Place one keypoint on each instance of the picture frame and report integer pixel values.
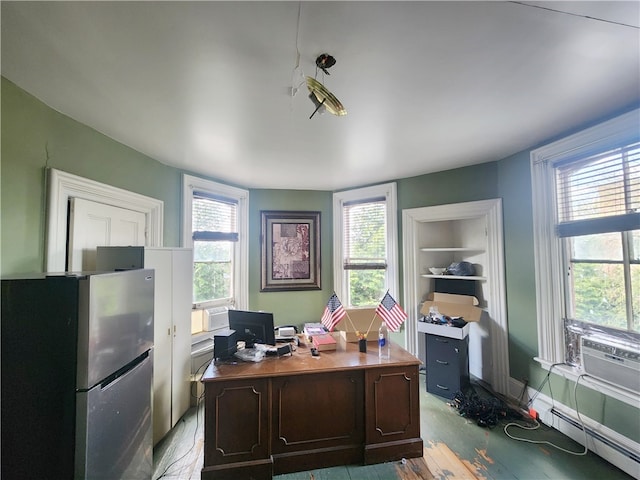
(290, 250)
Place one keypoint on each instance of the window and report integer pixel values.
(598, 211)
(215, 235)
(586, 209)
(215, 226)
(365, 248)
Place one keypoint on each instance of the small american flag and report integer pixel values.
(391, 312)
(333, 312)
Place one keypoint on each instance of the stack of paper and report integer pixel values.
(313, 329)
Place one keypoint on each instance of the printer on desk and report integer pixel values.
(286, 334)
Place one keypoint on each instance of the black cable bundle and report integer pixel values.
(487, 412)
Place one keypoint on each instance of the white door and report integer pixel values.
(93, 224)
(160, 260)
(182, 274)
(172, 336)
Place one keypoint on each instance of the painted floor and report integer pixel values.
(488, 453)
(455, 448)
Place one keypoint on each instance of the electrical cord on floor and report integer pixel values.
(546, 379)
(487, 412)
(195, 434)
(197, 377)
(524, 390)
(536, 424)
(199, 402)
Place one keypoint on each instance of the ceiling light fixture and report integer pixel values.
(321, 97)
(325, 61)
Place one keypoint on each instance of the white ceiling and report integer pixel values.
(428, 86)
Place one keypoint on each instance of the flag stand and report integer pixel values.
(350, 321)
(371, 324)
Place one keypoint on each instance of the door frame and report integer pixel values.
(63, 185)
(494, 271)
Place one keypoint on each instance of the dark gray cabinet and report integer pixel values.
(447, 364)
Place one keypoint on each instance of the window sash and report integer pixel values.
(215, 236)
(599, 194)
(220, 215)
(361, 242)
(603, 265)
(596, 195)
(231, 198)
(215, 217)
(348, 278)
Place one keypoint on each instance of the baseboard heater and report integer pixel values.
(615, 448)
(596, 436)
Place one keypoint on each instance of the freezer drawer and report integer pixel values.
(114, 429)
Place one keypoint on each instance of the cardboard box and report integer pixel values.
(444, 330)
(464, 306)
(452, 305)
(360, 322)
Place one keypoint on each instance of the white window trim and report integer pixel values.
(63, 185)
(388, 191)
(548, 248)
(241, 260)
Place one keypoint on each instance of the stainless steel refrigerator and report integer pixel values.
(77, 368)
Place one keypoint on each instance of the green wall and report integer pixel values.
(515, 189)
(291, 308)
(35, 137)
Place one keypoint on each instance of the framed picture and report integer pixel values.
(290, 255)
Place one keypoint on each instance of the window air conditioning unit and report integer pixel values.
(218, 317)
(613, 362)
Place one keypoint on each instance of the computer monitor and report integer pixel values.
(252, 327)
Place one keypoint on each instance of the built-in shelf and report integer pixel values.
(454, 277)
(439, 235)
(463, 250)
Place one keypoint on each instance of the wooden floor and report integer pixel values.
(180, 455)
(455, 448)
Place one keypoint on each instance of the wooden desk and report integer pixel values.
(295, 413)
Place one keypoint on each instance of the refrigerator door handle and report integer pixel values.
(124, 370)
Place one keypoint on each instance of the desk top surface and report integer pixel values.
(345, 357)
